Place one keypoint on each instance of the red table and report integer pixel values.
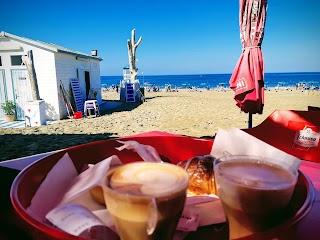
(166, 144)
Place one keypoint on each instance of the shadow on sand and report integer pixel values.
(20, 145)
(109, 106)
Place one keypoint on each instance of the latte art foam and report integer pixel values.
(147, 179)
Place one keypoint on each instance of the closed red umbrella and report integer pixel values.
(247, 80)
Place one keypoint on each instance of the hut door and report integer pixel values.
(87, 81)
(82, 83)
(22, 91)
(3, 91)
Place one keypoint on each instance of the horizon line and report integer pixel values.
(204, 74)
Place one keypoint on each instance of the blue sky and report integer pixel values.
(179, 36)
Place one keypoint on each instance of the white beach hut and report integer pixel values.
(55, 66)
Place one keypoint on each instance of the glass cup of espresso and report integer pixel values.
(146, 199)
(254, 192)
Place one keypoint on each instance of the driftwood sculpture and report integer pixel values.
(28, 61)
(132, 47)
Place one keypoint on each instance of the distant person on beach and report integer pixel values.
(221, 88)
(117, 88)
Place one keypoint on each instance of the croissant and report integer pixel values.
(200, 169)
(97, 194)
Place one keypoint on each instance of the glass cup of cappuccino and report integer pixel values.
(254, 192)
(146, 199)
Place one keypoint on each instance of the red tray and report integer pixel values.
(175, 148)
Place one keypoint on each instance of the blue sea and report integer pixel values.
(214, 80)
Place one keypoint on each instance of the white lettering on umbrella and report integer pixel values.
(241, 84)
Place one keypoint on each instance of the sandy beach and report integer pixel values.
(192, 113)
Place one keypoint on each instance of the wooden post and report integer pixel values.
(132, 47)
(28, 61)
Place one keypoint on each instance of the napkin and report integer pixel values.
(238, 142)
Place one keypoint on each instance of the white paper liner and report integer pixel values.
(52, 188)
(146, 152)
(238, 142)
(88, 179)
(71, 187)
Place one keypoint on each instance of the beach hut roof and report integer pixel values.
(48, 46)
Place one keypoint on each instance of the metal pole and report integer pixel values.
(250, 120)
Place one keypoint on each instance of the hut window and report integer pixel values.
(16, 60)
(0, 62)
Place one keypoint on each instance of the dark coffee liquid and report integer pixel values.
(254, 194)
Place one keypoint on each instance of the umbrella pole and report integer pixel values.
(250, 120)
